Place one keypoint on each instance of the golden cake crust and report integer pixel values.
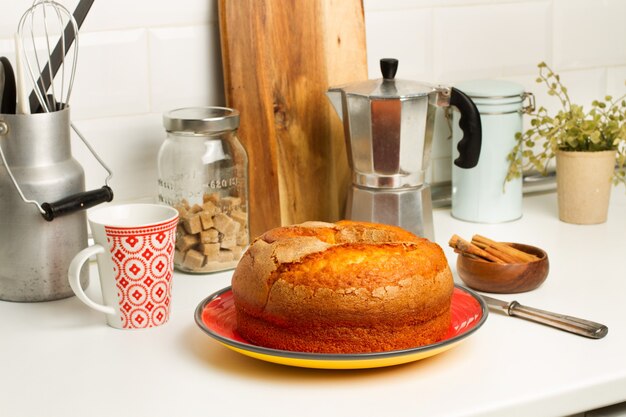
(345, 287)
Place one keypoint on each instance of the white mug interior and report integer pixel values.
(131, 215)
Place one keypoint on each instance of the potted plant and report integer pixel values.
(589, 147)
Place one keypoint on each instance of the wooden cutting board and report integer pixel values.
(279, 58)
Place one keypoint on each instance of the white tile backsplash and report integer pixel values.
(111, 75)
(616, 81)
(490, 41)
(123, 14)
(589, 33)
(375, 5)
(111, 15)
(408, 38)
(441, 171)
(140, 58)
(185, 67)
(583, 85)
(129, 146)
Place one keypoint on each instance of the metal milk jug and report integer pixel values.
(388, 125)
(42, 221)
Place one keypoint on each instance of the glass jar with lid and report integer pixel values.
(203, 173)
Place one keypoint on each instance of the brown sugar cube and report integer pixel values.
(221, 222)
(225, 224)
(228, 242)
(196, 208)
(192, 224)
(185, 203)
(213, 198)
(230, 203)
(210, 250)
(182, 210)
(210, 208)
(210, 236)
(242, 238)
(240, 217)
(212, 258)
(237, 250)
(186, 242)
(225, 256)
(193, 259)
(206, 219)
(232, 234)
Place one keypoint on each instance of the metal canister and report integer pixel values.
(35, 253)
(480, 194)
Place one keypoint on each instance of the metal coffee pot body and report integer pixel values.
(35, 253)
(388, 126)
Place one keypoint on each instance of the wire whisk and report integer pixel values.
(46, 24)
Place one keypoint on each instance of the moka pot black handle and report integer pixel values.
(469, 122)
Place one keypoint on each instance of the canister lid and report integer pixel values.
(482, 91)
(201, 119)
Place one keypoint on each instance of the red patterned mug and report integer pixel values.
(134, 245)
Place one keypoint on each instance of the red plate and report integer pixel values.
(216, 316)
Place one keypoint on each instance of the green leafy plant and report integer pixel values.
(602, 128)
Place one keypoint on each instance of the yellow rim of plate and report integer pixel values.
(374, 362)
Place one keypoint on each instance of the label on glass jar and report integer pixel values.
(167, 192)
(223, 183)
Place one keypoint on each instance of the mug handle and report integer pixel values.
(74, 278)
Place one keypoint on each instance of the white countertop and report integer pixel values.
(60, 359)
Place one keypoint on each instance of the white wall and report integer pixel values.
(139, 58)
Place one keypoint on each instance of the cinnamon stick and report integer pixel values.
(521, 256)
(469, 255)
(466, 247)
(497, 253)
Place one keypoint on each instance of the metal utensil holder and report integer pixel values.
(37, 245)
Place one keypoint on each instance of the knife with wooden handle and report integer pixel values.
(568, 323)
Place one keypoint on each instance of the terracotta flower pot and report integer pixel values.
(584, 185)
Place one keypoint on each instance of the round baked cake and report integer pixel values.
(346, 287)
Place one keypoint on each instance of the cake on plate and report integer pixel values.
(345, 287)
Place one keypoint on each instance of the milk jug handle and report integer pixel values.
(469, 122)
(75, 202)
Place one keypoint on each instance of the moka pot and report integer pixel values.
(388, 126)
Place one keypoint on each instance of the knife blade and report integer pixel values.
(570, 324)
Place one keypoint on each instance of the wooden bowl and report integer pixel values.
(504, 278)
